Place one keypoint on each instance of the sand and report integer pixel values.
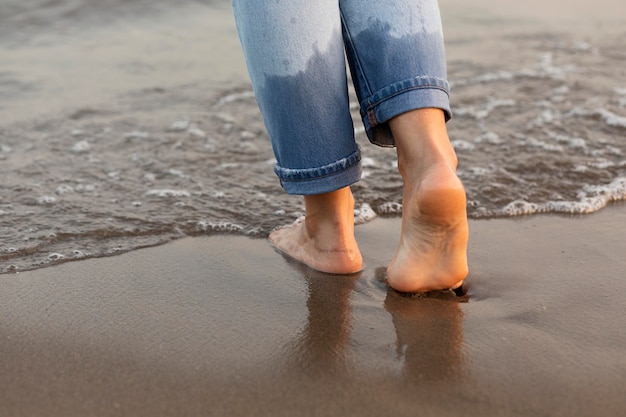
(225, 326)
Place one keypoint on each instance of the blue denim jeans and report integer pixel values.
(296, 53)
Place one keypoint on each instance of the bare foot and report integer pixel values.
(433, 242)
(432, 254)
(324, 240)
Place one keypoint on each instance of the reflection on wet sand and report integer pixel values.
(429, 331)
(320, 348)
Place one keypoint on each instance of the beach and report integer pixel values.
(225, 326)
(136, 278)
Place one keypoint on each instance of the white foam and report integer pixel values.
(247, 135)
(461, 145)
(519, 207)
(601, 163)
(612, 150)
(543, 69)
(591, 198)
(481, 113)
(614, 191)
(85, 188)
(229, 165)
(81, 147)
(569, 141)
(46, 199)
(176, 173)
(390, 208)
(168, 193)
(545, 65)
(64, 189)
(489, 137)
(364, 214)
(209, 226)
(494, 103)
(243, 95)
(609, 117)
(545, 117)
(56, 257)
(369, 162)
(543, 145)
(196, 132)
(489, 77)
(480, 171)
(179, 126)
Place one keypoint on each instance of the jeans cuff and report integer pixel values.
(323, 179)
(398, 98)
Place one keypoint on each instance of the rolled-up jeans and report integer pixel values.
(296, 54)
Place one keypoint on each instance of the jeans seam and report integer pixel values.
(357, 61)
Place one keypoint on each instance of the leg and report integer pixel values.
(432, 253)
(295, 55)
(325, 239)
(396, 54)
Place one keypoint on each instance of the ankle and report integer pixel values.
(415, 163)
(422, 141)
(336, 206)
(330, 216)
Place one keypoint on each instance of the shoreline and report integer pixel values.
(611, 205)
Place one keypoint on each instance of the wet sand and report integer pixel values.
(224, 326)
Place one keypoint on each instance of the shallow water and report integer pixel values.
(539, 127)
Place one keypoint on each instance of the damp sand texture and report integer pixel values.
(224, 326)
